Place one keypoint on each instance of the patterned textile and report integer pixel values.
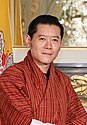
(26, 94)
(6, 53)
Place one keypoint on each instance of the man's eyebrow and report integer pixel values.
(56, 36)
(49, 35)
(42, 35)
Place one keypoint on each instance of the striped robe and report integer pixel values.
(26, 94)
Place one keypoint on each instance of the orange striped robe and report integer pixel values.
(26, 93)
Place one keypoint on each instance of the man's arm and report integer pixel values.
(76, 113)
(15, 105)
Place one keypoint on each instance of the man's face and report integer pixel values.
(45, 44)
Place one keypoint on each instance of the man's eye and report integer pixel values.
(55, 40)
(42, 39)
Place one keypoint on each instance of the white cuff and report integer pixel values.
(37, 122)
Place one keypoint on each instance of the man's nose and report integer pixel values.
(48, 44)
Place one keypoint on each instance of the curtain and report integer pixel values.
(18, 27)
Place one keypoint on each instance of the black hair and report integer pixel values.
(44, 19)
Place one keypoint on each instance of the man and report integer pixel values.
(33, 91)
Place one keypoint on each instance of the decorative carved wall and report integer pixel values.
(72, 14)
(78, 75)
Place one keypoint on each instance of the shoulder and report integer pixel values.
(61, 74)
(13, 73)
(13, 69)
(65, 80)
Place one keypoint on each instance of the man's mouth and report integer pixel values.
(47, 53)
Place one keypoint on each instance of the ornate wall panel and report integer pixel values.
(71, 13)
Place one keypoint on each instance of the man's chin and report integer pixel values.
(47, 62)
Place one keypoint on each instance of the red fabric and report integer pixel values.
(4, 59)
(25, 93)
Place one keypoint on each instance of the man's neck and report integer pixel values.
(44, 68)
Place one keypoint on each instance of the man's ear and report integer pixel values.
(28, 40)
